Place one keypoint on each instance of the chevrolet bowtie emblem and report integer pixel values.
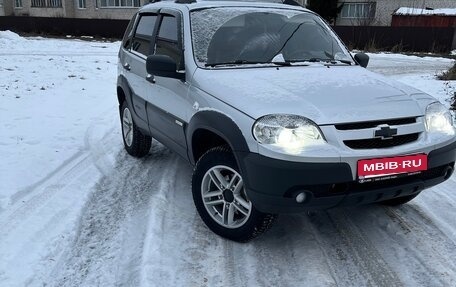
(385, 132)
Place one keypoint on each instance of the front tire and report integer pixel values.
(135, 142)
(221, 200)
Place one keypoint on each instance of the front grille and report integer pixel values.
(381, 143)
(373, 124)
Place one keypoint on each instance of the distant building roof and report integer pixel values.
(425, 11)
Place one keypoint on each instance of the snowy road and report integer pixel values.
(90, 215)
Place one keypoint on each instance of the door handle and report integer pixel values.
(127, 66)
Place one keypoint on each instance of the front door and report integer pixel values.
(168, 103)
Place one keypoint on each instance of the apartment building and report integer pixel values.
(93, 9)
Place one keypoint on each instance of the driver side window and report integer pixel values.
(167, 41)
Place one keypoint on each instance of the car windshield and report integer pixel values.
(240, 35)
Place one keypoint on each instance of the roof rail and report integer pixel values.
(287, 2)
(176, 1)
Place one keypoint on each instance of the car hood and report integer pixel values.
(324, 94)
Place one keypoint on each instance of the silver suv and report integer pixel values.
(274, 113)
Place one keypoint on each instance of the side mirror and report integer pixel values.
(163, 66)
(362, 59)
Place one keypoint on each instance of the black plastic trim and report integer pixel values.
(220, 125)
(164, 128)
(272, 184)
(442, 155)
(141, 123)
(271, 176)
(373, 124)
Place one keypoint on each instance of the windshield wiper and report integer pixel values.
(332, 59)
(348, 62)
(281, 63)
(236, 62)
(310, 60)
(317, 60)
(278, 63)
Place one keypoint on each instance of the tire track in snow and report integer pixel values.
(397, 242)
(179, 248)
(413, 246)
(430, 244)
(197, 266)
(151, 255)
(41, 194)
(29, 189)
(37, 195)
(286, 256)
(42, 218)
(112, 228)
(353, 258)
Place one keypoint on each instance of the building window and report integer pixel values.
(358, 10)
(17, 4)
(39, 3)
(45, 3)
(82, 4)
(119, 3)
(55, 3)
(1, 3)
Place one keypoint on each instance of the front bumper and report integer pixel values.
(272, 184)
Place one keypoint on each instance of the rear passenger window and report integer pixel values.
(126, 41)
(143, 36)
(167, 42)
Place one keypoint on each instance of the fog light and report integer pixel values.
(300, 197)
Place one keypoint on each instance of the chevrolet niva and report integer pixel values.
(274, 113)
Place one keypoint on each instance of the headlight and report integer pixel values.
(439, 119)
(290, 132)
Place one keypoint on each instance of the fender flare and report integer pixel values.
(122, 83)
(221, 125)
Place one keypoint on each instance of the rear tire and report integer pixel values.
(135, 142)
(399, 200)
(220, 198)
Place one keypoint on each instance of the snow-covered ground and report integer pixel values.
(76, 210)
(423, 11)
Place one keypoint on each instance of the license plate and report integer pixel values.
(389, 167)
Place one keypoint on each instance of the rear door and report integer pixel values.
(135, 63)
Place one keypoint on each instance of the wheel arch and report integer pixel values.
(120, 95)
(208, 129)
(124, 94)
(122, 89)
